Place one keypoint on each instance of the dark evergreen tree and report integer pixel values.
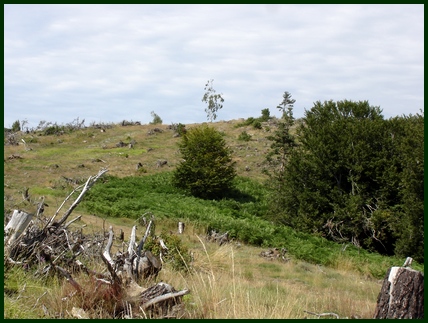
(350, 175)
(207, 169)
(283, 143)
(407, 134)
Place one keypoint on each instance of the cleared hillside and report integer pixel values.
(229, 281)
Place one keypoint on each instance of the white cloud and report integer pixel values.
(113, 61)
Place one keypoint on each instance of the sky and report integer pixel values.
(108, 63)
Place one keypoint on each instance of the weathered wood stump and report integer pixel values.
(181, 226)
(402, 295)
(16, 226)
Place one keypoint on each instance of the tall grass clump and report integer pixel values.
(228, 282)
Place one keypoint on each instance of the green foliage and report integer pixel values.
(408, 224)
(265, 115)
(256, 122)
(287, 103)
(181, 129)
(207, 170)
(240, 213)
(345, 177)
(177, 255)
(248, 122)
(53, 130)
(244, 136)
(156, 118)
(16, 126)
(214, 101)
(283, 143)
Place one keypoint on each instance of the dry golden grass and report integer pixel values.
(82, 153)
(230, 282)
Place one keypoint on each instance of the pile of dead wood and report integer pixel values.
(275, 254)
(50, 247)
(217, 237)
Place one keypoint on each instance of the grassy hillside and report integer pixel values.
(230, 281)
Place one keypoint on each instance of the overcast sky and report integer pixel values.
(108, 63)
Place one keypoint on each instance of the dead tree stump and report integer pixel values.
(181, 226)
(16, 226)
(402, 295)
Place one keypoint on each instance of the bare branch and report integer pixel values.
(89, 183)
(132, 242)
(16, 226)
(106, 253)
(164, 297)
(71, 221)
(69, 278)
(141, 244)
(323, 314)
(109, 261)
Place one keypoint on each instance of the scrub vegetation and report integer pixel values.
(319, 272)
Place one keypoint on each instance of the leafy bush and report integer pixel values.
(53, 130)
(256, 122)
(265, 115)
(244, 136)
(16, 126)
(181, 129)
(177, 255)
(207, 170)
(156, 118)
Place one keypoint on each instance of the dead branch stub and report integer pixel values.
(181, 227)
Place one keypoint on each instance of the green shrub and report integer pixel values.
(257, 124)
(16, 126)
(265, 115)
(244, 136)
(177, 255)
(156, 118)
(181, 129)
(53, 130)
(207, 170)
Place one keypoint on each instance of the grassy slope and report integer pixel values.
(233, 282)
